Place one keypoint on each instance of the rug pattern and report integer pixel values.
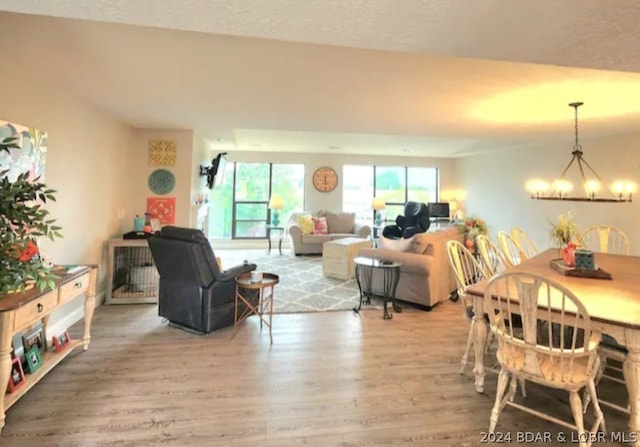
(303, 288)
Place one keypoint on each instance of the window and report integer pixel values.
(396, 185)
(239, 207)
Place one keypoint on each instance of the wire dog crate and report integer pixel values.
(132, 274)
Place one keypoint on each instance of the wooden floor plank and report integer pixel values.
(329, 379)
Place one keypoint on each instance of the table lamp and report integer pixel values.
(377, 204)
(275, 204)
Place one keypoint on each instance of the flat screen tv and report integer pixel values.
(438, 210)
(215, 172)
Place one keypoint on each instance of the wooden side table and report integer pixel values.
(264, 307)
(271, 228)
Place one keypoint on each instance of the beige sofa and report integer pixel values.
(425, 276)
(339, 225)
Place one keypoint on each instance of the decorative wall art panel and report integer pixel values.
(30, 157)
(162, 208)
(162, 152)
(161, 181)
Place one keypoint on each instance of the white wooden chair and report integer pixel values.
(556, 348)
(492, 258)
(605, 239)
(510, 250)
(524, 243)
(467, 271)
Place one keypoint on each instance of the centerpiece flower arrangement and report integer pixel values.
(566, 236)
(471, 227)
(22, 220)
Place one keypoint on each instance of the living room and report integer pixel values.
(103, 90)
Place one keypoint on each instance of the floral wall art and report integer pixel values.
(30, 157)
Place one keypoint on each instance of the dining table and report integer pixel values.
(613, 306)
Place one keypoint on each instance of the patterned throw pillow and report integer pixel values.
(305, 223)
(320, 225)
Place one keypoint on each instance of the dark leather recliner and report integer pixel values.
(194, 293)
(415, 220)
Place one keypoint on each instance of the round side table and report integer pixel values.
(391, 274)
(245, 289)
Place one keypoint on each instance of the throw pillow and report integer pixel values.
(320, 225)
(394, 244)
(305, 223)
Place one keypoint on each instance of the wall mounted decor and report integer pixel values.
(29, 157)
(162, 152)
(163, 209)
(161, 181)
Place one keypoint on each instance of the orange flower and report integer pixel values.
(28, 252)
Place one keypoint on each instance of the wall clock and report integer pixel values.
(325, 179)
(161, 181)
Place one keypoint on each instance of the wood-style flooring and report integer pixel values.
(329, 379)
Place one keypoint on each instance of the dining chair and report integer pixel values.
(524, 243)
(491, 257)
(556, 347)
(467, 271)
(510, 250)
(606, 239)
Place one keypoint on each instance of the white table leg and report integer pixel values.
(479, 341)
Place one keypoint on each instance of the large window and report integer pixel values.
(239, 207)
(396, 185)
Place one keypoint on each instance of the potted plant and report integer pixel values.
(565, 235)
(23, 219)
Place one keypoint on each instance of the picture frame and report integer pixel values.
(35, 337)
(18, 347)
(155, 225)
(61, 341)
(33, 359)
(16, 379)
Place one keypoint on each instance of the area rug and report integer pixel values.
(302, 287)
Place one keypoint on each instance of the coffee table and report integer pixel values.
(391, 274)
(338, 254)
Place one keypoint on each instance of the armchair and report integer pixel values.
(193, 292)
(415, 220)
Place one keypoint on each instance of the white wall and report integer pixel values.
(495, 187)
(86, 164)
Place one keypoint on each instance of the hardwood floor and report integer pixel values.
(329, 379)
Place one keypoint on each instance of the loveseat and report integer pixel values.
(328, 225)
(425, 276)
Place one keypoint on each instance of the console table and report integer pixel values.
(20, 311)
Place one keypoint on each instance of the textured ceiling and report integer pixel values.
(409, 77)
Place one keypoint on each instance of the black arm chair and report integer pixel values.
(193, 293)
(415, 220)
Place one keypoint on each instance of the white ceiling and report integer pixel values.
(410, 77)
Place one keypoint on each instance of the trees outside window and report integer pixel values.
(239, 207)
(396, 185)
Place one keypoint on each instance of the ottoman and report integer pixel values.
(338, 255)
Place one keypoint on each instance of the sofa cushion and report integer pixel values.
(316, 239)
(305, 223)
(419, 244)
(401, 245)
(340, 222)
(320, 225)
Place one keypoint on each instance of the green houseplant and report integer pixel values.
(565, 235)
(23, 219)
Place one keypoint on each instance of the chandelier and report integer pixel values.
(619, 191)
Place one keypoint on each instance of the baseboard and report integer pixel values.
(71, 318)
